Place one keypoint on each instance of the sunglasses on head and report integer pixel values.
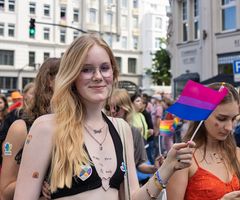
(116, 108)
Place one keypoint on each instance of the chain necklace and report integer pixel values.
(95, 130)
(100, 143)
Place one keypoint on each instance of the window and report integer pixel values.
(63, 13)
(46, 55)
(8, 82)
(196, 20)
(124, 3)
(184, 20)
(109, 2)
(1, 29)
(32, 8)
(2, 4)
(109, 19)
(135, 43)
(31, 58)
(124, 22)
(135, 3)
(228, 14)
(11, 30)
(93, 15)
(62, 35)
(158, 22)
(46, 33)
(75, 34)
(124, 42)
(6, 57)
(75, 15)
(11, 5)
(119, 63)
(157, 42)
(135, 22)
(46, 10)
(132, 62)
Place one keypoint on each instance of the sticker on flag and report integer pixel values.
(197, 101)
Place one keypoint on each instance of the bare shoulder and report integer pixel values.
(44, 124)
(118, 121)
(17, 129)
(238, 153)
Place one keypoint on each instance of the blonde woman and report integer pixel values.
(89, 155)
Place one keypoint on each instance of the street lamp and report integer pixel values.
(21, 70)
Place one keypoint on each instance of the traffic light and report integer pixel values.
(32, 30)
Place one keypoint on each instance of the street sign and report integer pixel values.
(236, 70)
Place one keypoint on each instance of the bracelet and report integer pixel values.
(159, 179)
(157, 184)
(150, 195)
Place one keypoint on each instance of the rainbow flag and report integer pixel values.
(176, 121)
(197, 102)
(166, 127)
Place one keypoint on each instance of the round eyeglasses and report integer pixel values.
(88, 71)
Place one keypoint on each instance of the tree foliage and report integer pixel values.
(160, 72)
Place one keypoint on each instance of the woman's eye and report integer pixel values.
(87, 70)
(104, 68)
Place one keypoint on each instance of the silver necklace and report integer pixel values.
(100, 143)
(95, 130)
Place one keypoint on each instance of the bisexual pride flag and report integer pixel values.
(197, 102)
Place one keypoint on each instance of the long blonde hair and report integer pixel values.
(68, 153)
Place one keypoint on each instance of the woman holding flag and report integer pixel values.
(215, 174)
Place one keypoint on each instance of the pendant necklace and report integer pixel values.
(100, 143)
(95, 130)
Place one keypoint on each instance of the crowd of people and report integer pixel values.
(73, 133)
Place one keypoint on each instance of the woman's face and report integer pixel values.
(28, 95)
(138, 104)
(221, 122)
(2, 105)
(95, 80)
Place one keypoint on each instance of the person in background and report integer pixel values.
(3, 114)
(38, 104)
(17, 99)
(215, 174)
(120, 105)
(28, 93)
(157, 114)
(138, 119)
(87, 152)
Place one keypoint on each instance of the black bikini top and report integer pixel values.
(94, 181)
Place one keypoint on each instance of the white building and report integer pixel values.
(204, 37)
(118, 21)
(153, 27)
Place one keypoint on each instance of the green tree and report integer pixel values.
(160, 72)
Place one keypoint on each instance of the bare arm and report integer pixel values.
(13, 143)
(35, 160)
(168, 168)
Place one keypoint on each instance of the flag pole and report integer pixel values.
(159, 145)
(196, 130)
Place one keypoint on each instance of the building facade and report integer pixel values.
(21, 53)
(204, 37)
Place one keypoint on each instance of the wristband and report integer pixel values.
(159, 179)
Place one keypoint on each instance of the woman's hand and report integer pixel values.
(180, 155)
(235, 195)
(46, 190)
(158, 161)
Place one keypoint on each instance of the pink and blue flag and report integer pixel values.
(197, 101)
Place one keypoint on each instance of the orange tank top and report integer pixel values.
(205, 185)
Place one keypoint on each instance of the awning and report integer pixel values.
(228, 78)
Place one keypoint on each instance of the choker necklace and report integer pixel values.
(100, 143)
(95, 131)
